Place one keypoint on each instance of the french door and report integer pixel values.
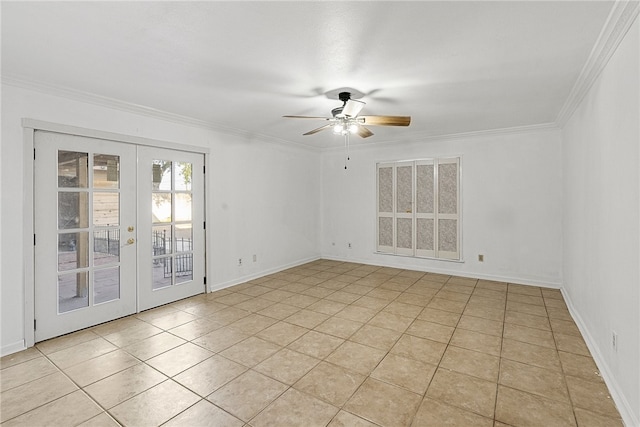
(118, 229)
(171, 219)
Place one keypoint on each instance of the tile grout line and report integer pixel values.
(312, 272)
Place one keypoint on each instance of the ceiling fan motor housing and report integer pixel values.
(344, 96)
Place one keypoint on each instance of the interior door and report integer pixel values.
(85, 214)
(171, 233)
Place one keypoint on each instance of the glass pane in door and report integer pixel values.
(161, 208)
(106, 209)
(161, 240)
(184, 238)
(73, 209)
(106, 285)
(106, 171)
(106, 246)
(182, 177)
(69, 257)
(73, 169)
(183, 206)
(162, 269)
(184, 268)
(73, 291)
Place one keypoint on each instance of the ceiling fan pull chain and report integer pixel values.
(346, 146)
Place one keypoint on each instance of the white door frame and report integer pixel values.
(29, 127)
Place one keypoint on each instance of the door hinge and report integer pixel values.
(34, 154)
(34, 239)
(204, 225)
(205, 280)
(34, 324)
(204, 169)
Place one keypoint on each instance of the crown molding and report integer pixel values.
(620, 19)
(116, 104)
(417, 138)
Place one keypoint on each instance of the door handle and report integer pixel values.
(131, 241)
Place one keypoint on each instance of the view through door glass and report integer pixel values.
(79, 241)
(172, 236)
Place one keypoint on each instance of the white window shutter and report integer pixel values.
(425, 209)
(418, 208)
(385, 223)
(448, 211)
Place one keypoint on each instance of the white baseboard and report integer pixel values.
(470, 274)
(13, 348)
(243, 279)
(625, 409)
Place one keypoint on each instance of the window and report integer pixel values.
(418, 208)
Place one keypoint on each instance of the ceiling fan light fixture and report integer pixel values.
(337, 129)
(353, 128)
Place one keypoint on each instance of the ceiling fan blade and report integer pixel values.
(306, 117)
(386, 120)
(352, 107)
(311, 132)
(363, 132)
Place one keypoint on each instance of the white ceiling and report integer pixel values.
(454, 66)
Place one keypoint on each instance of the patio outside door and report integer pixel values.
(112, 237)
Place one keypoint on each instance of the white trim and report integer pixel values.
(469, 274)
(622, 404)
(28, 256)
(13, 348)
(263, 273)
(422, 138)
(620, 19)
(110, 136)
(103, 101)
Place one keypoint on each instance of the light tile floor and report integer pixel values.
(326, 343)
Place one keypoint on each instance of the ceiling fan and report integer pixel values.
(345, 119)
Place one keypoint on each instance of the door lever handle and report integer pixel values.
(131, 241)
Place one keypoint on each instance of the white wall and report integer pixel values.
(265, 202)
(511, 205)
(262, 197)
(601, 221)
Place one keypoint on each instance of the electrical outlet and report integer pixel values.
(255, 257)
(614, 340)
(349, 245)
(481, 258)
(239, 261)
